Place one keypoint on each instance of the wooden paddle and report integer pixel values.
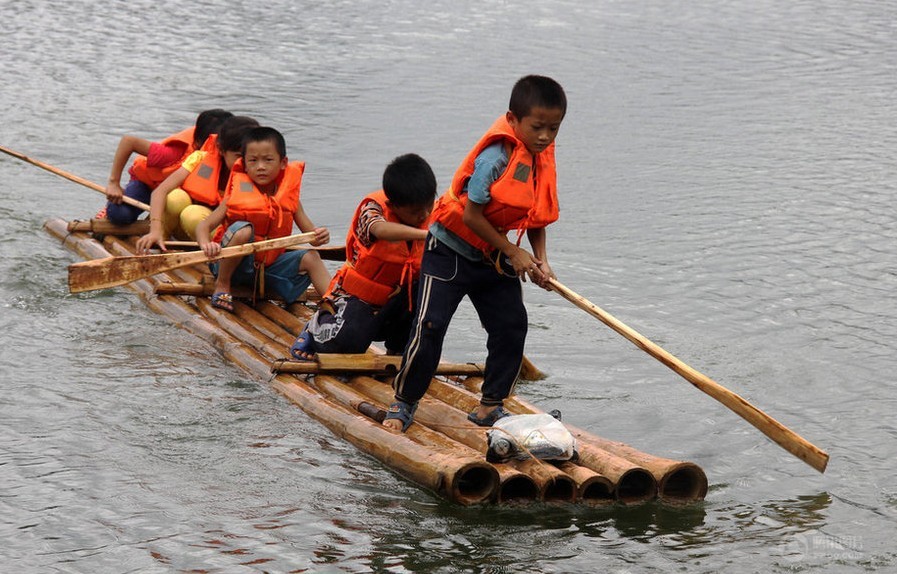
(71, 177)
(783, 436)
(114, 271)
(327, 253)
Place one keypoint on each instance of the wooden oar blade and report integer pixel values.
(115, 271)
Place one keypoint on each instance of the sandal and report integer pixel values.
(487, 421)
(223, 300)
(402, 411)
(303, 348)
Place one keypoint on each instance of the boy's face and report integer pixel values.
(538, 129)
(413, 215)
(263, 163)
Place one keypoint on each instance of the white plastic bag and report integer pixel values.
(542, 435)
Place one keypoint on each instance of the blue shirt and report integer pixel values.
(487, 167)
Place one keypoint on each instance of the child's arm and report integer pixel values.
(391, 231)
(157, 211)
(522, 261)
(537, 239)
(205, 227)
(303, 221)
(126, 146)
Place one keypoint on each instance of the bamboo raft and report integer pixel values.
(442, 451)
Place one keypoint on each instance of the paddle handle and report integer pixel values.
(71, 176)
(777, 432)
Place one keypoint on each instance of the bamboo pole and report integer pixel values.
(633, 484)
(252, 339)
(553, 484)
(484, 485)
(106, 227)
(70, 176)
(678, 482)
(367, 363)
(458, 480)
(779, 433)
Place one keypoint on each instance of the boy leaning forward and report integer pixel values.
(507, 182)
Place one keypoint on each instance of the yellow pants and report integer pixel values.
(182, 215)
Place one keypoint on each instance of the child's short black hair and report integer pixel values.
(532, 91)
(232, 131)
(409, 180)
(208, 123)
(264, 134)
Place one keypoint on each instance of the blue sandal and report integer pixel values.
(303, 348)
(223, 300)
(488, 420)
(402, 411)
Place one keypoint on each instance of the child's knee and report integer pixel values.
(191, 217)
(433, 327)
(121, 214)
(242, 235)
(176, 201)
(311, 261)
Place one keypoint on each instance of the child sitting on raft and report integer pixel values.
(370, 296)
(189, 194)
(261, 201)
(155, 162)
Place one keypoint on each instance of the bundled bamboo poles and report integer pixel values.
(442, 451)
(465, 480)
(677, 481)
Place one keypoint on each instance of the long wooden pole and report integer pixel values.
(780, 434)
(70, 176)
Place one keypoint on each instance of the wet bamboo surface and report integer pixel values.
(441, 451)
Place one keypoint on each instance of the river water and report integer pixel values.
(727, 180)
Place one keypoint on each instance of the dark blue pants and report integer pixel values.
(446, 278)
(354, 325)
(123, 214)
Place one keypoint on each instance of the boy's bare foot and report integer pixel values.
(399, 416)
(394, 425)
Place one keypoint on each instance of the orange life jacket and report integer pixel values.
(523, 197)
(377, 272)
(271, 216)
(153, 176)
(202, 183)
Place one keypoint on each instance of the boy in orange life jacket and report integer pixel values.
(370, 296)
(202, 178)
(157, 160)
(507, 182)
(262, 202)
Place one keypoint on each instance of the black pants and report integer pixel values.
(354, 325)
(446, 278)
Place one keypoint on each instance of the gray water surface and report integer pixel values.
(727, 181)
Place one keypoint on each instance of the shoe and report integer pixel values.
(303, 348)
(402, 411)
(487, 421)
(222, 300)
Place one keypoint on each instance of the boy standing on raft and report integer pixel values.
(262, 202)
(507, 182)
(370, 296)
